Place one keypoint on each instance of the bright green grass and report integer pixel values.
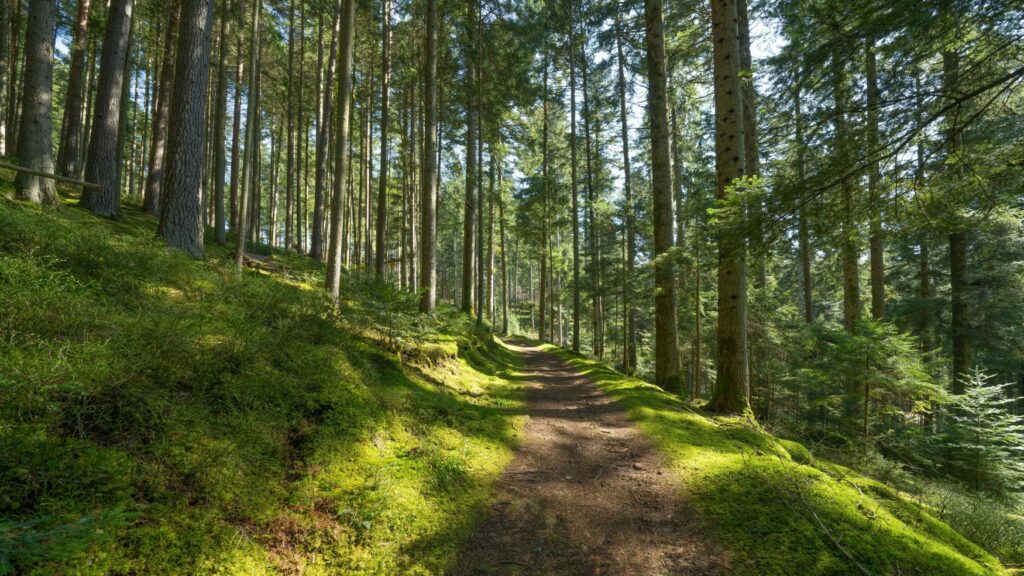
(160, 416)
(758, 496)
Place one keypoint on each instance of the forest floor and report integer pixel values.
(586, 493)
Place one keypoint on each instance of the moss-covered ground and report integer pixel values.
(775, 508)
(160, 415)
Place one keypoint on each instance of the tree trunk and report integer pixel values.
(958, 271)
(252, 111)
(850, 241)
(101, 167)
(803, 229)
(151, 199)
(71, 139)
(35, 147)
(428, 183)
(323, 137)
(629, 352)
(181, 213)
(385, 160)
(875, 239)
(13, 103)
(575, 219)
(666, 347)
(732, 386)
(469, 216)
(5, 77)
(220, 128)
(236, 144)
(341, 147)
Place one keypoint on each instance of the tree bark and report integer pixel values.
(181, 213)
(803, 229)
(575, 219)
(751, 152)
(151, 199)
(101, 166)
(35, 147)
(732, 385)
(220, 127)
(5, 77)
(875, 239)
(958, 271)
(428, 183)
(666, 346)
(341, 147)
(252, 111)
(629, 352)
(74, 102)
(469, 216)
(850, 241)
(385, 161)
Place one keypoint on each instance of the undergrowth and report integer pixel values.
(160, 415)
(776, 509)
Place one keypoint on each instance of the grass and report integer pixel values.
(160, 415)
(775, 509)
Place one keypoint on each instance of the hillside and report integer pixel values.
(161, 416)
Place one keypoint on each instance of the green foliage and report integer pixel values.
(984, 441)
(163, 416)
(996, 523)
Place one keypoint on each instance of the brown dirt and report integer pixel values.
(586, 494)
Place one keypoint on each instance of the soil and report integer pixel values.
(586, 494)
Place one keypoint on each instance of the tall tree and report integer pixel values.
(629, 348)
(220, 124)
(341, 147)
(469, 216)
(875, 239)
(101, 166)
(428, 182)
(958, 271)
(732, 386)
(181, 213)
(666, 338)
(154, 178)
(385, 112)
(575, 218)
(248, 182)
(74, 102)
(34, 147)
(323, 141)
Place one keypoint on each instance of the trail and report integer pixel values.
(586, 493)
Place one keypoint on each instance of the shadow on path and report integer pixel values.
(586, 494)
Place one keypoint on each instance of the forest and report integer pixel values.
(504, 287)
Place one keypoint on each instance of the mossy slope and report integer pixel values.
(777, 510)
(161, 416)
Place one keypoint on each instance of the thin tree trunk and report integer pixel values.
(250, 135)
(341, 147)
(629, 354)
(385, 161)
(71, 139)
(236, 144)
(181, 215)
(574, 182)
(220, 127)
(6, 78)
(732, 386)
(101, 166)
(323, 140)
(876, 239)
(151, 201)
(35, 146)
(850, 240)
(803, 229)
(958, 271)
(469, 219)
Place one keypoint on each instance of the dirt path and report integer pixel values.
(586, 494)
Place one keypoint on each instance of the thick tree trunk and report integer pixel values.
(666, 346)
(74, 103)
(35, 147)
(181, 213)
(732, 386)
(751, 152)
(151, 199)
(385, 160)
(101, 166)
(428, 183)
(341, 131)
(876, 239)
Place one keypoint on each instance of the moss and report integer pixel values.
(160, 415)
(768, 502)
